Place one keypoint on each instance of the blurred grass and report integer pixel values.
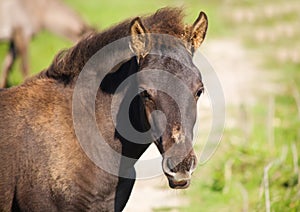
(102, 14)
(250, 154)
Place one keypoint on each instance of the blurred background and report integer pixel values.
(254, 47)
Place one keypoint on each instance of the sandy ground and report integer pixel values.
(152, 193)
(241, 80)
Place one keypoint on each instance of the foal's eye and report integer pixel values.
(199, 92)
(145, 95)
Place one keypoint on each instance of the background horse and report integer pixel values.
(20, 20)
(42, 165)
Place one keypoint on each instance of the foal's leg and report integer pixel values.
(8, 63)
(123, 191)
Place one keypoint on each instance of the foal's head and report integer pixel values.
(170, 84)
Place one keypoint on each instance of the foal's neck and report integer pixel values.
(136, 114)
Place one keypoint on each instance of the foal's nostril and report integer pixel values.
(167, 167)
(174, 165)
(171, 165)
(192, 164)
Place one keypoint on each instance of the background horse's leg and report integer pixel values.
(24, 60)
(21, 44)
(18, 46)
(8, 63)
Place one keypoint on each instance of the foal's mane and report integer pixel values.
(68, 63)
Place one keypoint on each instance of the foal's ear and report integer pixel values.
(198, 31)
(140, 39)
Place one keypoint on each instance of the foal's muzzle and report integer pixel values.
(179, 171)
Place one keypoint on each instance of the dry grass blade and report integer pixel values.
(296, 95)
(295, 160)
(228, 175)
(244, 193)
(271, 113)
(266, 186)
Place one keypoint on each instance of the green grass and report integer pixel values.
(248, 162)
(249, 157)
(106, 13)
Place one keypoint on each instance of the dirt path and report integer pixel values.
(238, 73)
(153, 193)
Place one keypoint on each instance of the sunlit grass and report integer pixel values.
(249, 158)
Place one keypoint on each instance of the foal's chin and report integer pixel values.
(182, 184)
(179, 180)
